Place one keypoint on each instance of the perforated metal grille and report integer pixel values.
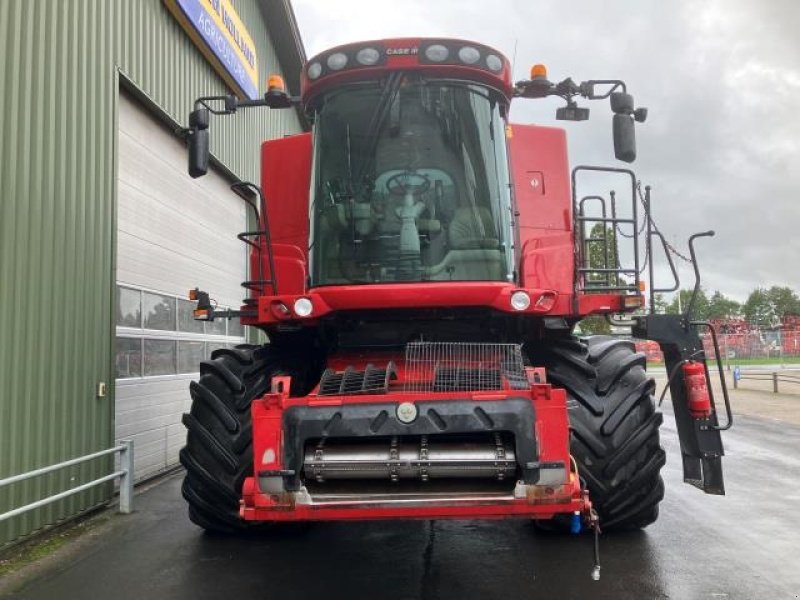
(463, 367)
(350, 382)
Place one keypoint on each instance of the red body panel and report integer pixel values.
(545, 264)
(540, 172)
(497, 295)
(540, 501)
(285, 180)
(540, 175)
(541, 181)
(285, 175)
(260, 507)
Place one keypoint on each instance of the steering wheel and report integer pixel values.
(408, 182)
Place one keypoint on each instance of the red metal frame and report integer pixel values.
(546, 260)
(497, 295)
(259, 507)
(540, 174)
(544, 228)
(539, 501)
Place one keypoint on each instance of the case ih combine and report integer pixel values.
(418, 266)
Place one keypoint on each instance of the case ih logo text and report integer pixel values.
(401, 51)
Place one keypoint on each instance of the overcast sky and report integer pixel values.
(721, 79)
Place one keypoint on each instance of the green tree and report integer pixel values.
(602, 256)
(595, 325)
(661, 304)
(701, 304)
(759, 310)
(768, 307)
(784, 301)
(722, 307)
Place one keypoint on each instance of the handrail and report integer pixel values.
(125, 474)
(773, 376)
(718, 358)
(262, 220)
(690, 308)
(580, 284)
(652, 232)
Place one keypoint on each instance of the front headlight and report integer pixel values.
(437, 53)
(337, 61)
(469, 55)
(494, 62)
(314, 70)
(520, 300)
(303, 307)
(368, 56)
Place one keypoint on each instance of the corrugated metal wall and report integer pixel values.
(59, 65)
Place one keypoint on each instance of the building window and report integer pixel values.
(159, 357)
(186, 320)
(211, 346)
(129, 307)
(158, 312)
(129, 357)
(157, 335)
(189, 356)
(216, 327)
(235, 328)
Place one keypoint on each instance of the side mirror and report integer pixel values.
(621, 103)
(198, 143)
(624, 138)
(198, 152)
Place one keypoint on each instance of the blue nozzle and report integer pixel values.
(575, 524)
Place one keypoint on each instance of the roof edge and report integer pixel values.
(281, 24)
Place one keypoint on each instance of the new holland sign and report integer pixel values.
(218, 32)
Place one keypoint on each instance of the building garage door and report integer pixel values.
(173, 233)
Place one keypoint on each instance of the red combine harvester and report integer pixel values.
(418, 266)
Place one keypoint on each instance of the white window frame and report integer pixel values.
(142, 333)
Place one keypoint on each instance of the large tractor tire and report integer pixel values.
(613, 425)
(218, 454)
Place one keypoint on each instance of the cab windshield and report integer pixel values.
(410, 183)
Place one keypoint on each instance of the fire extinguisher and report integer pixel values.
(699, 400)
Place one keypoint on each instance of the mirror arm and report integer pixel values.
(197, 131)
(568, 89)
(587, 88)
(231, 103)
(271, 101)
(626, 114)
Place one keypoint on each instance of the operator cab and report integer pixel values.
(410, 183)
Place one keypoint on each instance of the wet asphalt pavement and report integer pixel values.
(744, 545)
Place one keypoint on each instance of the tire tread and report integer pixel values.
(218, 455)
(614, 426)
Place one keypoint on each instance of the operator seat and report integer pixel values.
(472, 228)
(474, 250)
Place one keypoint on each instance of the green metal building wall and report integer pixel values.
(61, 63)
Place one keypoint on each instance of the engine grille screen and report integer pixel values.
(463, 367)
